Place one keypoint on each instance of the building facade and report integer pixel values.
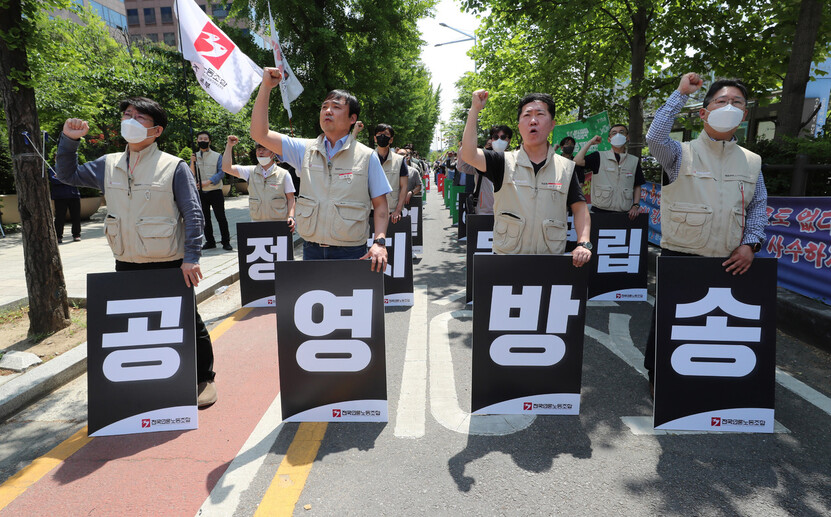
(155, 20)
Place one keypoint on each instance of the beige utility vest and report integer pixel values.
(206, 165)
(530, 211)
(703, 211)
(143, 223)
(613, 185)
(334, 205)
(267, 195)
(392, 169)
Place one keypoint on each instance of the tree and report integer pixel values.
(48, 304)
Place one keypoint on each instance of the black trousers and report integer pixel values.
(651, 339)
(74, 206)
(214, 199)
(204, 348)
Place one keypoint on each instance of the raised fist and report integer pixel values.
(595, 141)
(690, 83)
(478, 100)
(233, 140)
(75, 128)
(272, 77)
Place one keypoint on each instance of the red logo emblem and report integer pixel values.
(145, 422)
(527, 406)
(617, 295)
(336, 413)
(715, 421)
(213, 45)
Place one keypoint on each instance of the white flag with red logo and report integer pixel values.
(290, 87)
(228, 75)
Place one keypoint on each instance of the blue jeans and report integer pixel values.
(314, 251)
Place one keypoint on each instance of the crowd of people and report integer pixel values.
(159, 207)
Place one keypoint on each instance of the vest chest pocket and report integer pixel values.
(277, 208)
(507, 233)
(688, 224)
(112, 227)
(737, 226)
(156, 236)
(602, 196)
(255, 207)
(554, 234)
(350, 222)
(306, 212)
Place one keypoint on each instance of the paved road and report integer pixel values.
(431, 458)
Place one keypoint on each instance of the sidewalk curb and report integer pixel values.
(796, 315)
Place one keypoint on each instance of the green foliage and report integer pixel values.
(185, 153)
(784, 151)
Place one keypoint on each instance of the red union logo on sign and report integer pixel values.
(145, 422)
(526, 406)
(213, 45)
(336, 413)
(715, 421)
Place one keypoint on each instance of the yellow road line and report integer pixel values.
(32, 473)
(284, 492)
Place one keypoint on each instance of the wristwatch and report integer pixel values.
(755, 246)
(587, 245)
(380, 242)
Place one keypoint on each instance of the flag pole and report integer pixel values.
(184, 74)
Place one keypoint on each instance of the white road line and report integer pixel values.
(450, 298)
(642, 425)
(412, 402)
(803, 390)
(444, 401)
(619, 341)
(226, 495)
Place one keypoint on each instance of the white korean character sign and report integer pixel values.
(715, 357)
(415, 212)
(330, 342)
(141, 352)
(461, 233)
(528, 319)
(479, 242)
(619, 260)
(398, 275)
(261, 244)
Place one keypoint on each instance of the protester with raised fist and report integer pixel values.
(714, 203)
(533, 186)
(617, 175)
(270, 187)
(395, 170)
(148, 192)
(342, 179)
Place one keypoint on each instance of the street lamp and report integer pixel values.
(470, 37)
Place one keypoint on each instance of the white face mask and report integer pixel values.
(499, 145)
(133, 131)
(725, 119)
(264, 160)
(619, 140)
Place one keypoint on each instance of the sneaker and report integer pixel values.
(227, 247)
(208, 246)
(206, 394)
(76, 239)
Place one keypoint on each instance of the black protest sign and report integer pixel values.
(141, 352)
(398, 275)
(416, 213)
(528, 320)
(330, 341)
(619, 260)
(261, 244)
(479, 242)
(715, 357)
(462, 228)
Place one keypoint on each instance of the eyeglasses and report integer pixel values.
(721, 102)
(503, 136)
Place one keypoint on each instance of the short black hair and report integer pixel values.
(566, 139)
(146, 106)
(545, 98)
(619, 125)
(505, 129)
(723, 83)
(204, 133)
(351, 100)
(384, 127)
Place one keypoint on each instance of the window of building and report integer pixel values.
(220, 11)
(170, 38)
(150, 17)
(132, 17)
(152, 37)
(112, 18)
(167, 14)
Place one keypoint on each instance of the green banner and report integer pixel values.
(584, 131)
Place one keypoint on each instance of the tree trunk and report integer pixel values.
(789, 120)
(636, 135)
(48, 306)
